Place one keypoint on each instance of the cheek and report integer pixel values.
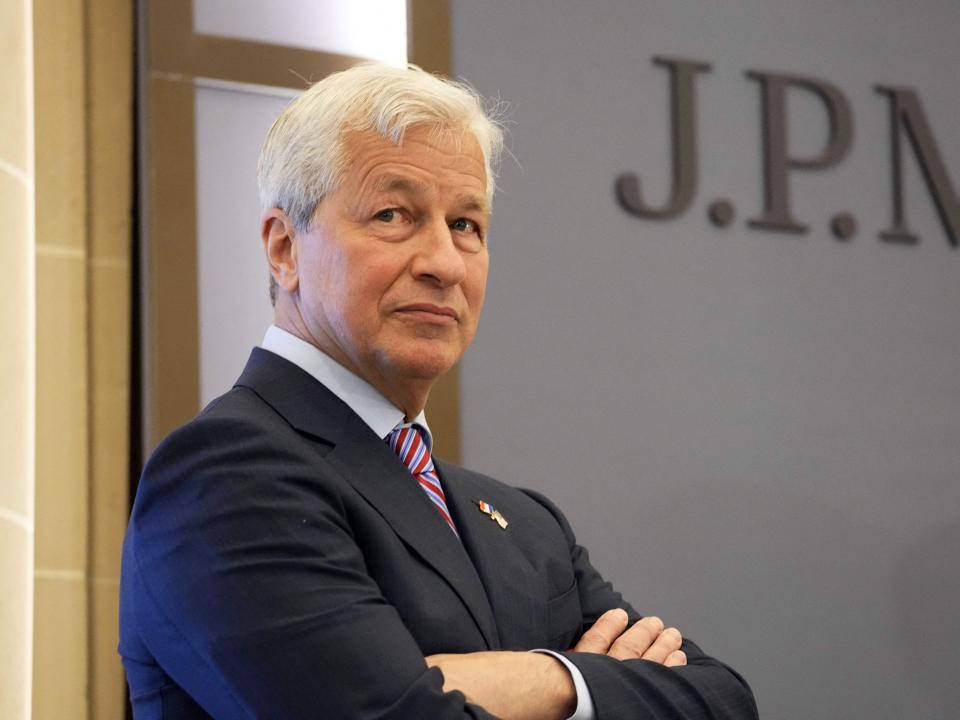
(475, 285)
(383, 279)
(364, 291)
(324, 289)
(330, 275)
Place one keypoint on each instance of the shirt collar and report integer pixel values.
(359, 395)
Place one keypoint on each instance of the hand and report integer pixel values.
(646, 640)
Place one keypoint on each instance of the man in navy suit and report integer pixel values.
(295, 551)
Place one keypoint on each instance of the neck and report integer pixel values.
(406, 394)
(412, 401)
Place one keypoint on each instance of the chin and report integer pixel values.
(428, 365)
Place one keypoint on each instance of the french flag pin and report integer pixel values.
(488, 509)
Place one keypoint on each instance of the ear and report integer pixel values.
(280, 244)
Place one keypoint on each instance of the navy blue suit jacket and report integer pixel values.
(281, 563)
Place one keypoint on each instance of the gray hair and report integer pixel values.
(304, 158)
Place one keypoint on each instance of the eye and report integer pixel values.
(387, 216)
(465, 225)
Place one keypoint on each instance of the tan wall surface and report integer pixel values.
(16, 359)
(110, 215)
(84, 109)
(60, 605)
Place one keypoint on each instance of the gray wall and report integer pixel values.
(232, 297)
(756, 434)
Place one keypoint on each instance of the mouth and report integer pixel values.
(429, 313)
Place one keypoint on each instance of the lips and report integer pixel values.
(428, 311)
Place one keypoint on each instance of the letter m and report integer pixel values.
(907, 116)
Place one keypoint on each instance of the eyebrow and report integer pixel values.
(473, 202)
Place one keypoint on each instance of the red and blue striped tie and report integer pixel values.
(407, 442)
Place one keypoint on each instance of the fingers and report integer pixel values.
(676, 659)
(637, 640)
(647, 639)
(667, 642)
(607, 629)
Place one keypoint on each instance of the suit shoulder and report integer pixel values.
(238, 416)
(238, 440)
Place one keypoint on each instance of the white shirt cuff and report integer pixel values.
(584, 709)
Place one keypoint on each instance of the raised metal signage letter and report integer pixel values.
(776, 162)
(907, 113)
(683, 113)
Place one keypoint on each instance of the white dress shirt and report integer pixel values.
(382, 417)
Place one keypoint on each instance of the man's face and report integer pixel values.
(393, 269)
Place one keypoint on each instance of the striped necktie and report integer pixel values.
(408, 443)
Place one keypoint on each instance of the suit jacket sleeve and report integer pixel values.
(247, 589)
(704, 689)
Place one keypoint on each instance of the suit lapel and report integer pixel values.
(497, 557)
(369, 465)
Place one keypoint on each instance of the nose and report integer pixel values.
(438, 260)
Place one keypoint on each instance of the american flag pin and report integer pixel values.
(494, 514)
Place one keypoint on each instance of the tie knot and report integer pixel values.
(408, 443)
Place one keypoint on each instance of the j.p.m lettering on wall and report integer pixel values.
(907, 119)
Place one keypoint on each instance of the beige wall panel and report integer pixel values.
(60, 649)
(173, 343)
(15, 489)
(61, 412)
(14, 118)
(110, 93)
(15, 609)
(16, 360)
(108, 686)
(428, 35)
(110, 379)
(14, 207)
(84, 126)
(443, 411)
(59, 90)
(110, 141)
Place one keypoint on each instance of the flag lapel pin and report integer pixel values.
(494, 514)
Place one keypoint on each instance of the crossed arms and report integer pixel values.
(535, 686)
(258, 589)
